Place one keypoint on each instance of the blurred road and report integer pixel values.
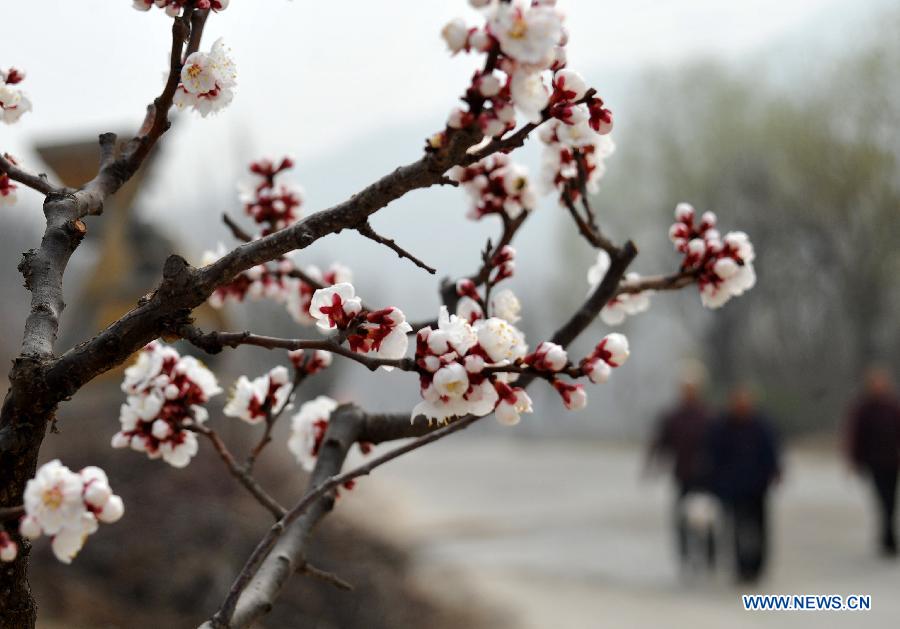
(568, 536)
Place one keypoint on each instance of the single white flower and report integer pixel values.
(9, 550)
(506, 305)
(335, 306)
(252, 399)
(451, 381)
(455, 33)
(598, 371)
(179, 453)
(53, 497)
(529, 94)
(469, 309)
(570, 83)
(307, 429)
(13, 103)
(526, 33)
(501, 340)
(207, 80)
(459, 334)
(511, 407)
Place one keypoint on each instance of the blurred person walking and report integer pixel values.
(744, 462)
(678, 441)
(873, 447)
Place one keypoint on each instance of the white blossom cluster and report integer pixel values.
(13, 102)
(496, 185)
(472, 306)
(173, 7)
(308, 363)
(253, 400)
(381, 333)
(469, 368)
(272, 204)
(67, 507)
(207, 80)
(277, 281)
(7, 187)
(526, 39)
(574, 155)
(308, 428)
(525, 43)
(9, 550)
(724, 264)
(623, 304)
(166, 395)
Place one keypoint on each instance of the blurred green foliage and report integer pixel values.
(810, 168)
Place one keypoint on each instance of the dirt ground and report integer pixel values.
(569, 535)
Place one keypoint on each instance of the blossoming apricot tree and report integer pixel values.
(470, 361)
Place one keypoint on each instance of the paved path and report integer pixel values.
(567, 536)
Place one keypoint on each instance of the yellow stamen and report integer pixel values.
(52, 498)
(519, 28)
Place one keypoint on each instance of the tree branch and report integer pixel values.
(240, 473)
(449, 297)
(328, 577)
(281, 551)
(590, 232)
(11, 513)
(271, 420)
(38, 182)
(236, 230)
(214, 342)
(366, 230)
(674, 281)
(284, 546)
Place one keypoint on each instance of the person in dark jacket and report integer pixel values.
(744, 464)
(679, 440)
(873, 447)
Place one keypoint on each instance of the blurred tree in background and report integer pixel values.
(811, 171)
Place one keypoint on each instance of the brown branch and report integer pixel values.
(279, 555)
(32, 400)
(43, 269)
(366, 230)
(285, 545)
(214, 342)
(449, 297)
(674, 281)
(322, 575)
(236, 230)
(240, 473)
(517, 138)
(11, 513)
(184, 287)
(38, 182)
(591, 233)
(271, 420)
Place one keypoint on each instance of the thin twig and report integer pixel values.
(271, 420)
(214, 342)
(592, 234)
(517, 138)
(658, 282)
(323, 575)
(236, 229)
(364, 469)
(11, 513)
(36, 182)
(241, 474)
(366, 230)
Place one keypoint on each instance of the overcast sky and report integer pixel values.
(351, 89)
(314, 75)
